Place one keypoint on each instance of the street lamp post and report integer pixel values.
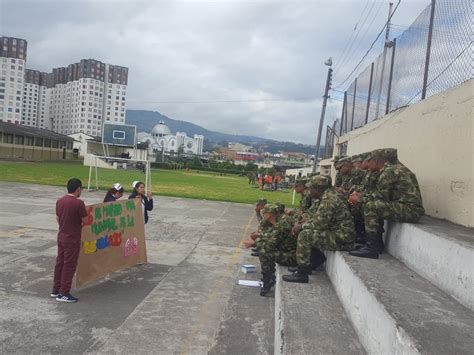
(323, 111)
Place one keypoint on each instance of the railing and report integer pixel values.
(432, 55)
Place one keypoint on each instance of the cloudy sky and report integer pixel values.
(242, 67)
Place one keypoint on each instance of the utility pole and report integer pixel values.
(428, 50)
(323, 112)
(387, 34)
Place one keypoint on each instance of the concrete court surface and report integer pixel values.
(184, 301)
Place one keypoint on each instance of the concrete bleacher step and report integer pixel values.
(395, 311)
(438, 250)
(309, 319)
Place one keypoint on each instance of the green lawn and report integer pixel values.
(192, 184)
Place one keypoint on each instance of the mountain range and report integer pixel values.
(145, 120)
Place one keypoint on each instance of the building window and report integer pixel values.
(8, 138)
(55, 144)
(19, 140)
(38, 142)
(29, 140)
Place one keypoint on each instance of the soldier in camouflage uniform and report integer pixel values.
(344, 169)
(397, 197)
(278, 246)
(331, 228)
(357, 173)
(358, 176)
(338, 179)
(261, 225)
(258, 208)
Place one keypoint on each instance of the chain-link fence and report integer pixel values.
(432, 55)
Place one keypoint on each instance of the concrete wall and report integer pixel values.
(435, 140)
(23, 152)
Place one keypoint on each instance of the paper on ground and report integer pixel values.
(250, 283)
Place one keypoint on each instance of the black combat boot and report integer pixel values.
(372, 248)
(317, 261)
(255, 253)
(269, 280)
(300, 276)
(295, 269)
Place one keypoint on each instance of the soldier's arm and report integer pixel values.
(385, 184)
(323, 216)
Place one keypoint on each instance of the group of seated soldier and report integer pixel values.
(347, 216)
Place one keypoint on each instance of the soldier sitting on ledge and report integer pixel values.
(330, 228)
(396, 197)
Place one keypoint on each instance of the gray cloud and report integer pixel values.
(207, 62)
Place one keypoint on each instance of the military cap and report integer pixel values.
(301, 181)
(261, 201)
(357, 158)
(319, 181)
(344, 160)
(337, 158)
(281, 207)
(366, 156)
(271, 208)
(389, 154)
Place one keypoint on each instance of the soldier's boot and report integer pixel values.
(255, 253)
(300, 276)
(269, 280)
(372, 249)
(381, 245)
(295, 269)
(317, 261)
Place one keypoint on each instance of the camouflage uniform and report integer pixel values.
(305, 202)
(264, 230)
(279, 246)
(338, 180)
(397, 198)
(331, 228)
(369, 184)
(261, 201)
(357, 179)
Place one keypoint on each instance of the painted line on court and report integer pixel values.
(219, 284)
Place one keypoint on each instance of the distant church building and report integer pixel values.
(160, 139)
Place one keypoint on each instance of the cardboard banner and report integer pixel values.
(113, 238)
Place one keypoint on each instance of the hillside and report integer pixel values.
(145, 120)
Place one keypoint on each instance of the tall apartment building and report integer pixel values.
(78, 98)
(86, 95)
(35, 108)
(12, 61)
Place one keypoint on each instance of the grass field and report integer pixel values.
(178, 183)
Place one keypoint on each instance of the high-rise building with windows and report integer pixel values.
(86, 95)
(12, 70)
(35, 108)
(78, 98)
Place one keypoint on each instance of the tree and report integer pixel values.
(250, 167)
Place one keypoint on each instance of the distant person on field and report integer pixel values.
(114, 193)
(70, 214)
(145, 200)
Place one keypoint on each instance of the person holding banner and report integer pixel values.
(71, 213)
(114, 193)
(146, 201)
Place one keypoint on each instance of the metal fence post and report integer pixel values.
(369, 93)
(428, 50)
(389, 89)
(354, 104)
(343, 114)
